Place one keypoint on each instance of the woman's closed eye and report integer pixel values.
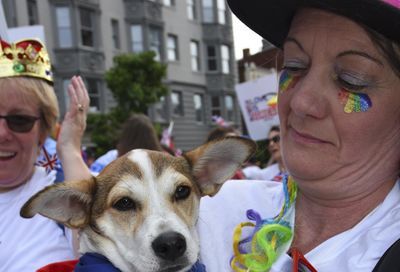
(294, 67)
(352, 83)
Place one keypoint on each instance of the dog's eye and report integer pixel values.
(182, 192)
(124, 204)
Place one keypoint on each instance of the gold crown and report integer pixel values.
(27, 57)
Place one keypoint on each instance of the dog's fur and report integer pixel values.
(141, 211)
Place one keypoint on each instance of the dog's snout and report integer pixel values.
(169, 245)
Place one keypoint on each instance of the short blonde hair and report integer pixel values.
(38, 92)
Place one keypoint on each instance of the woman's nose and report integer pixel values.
(4, 130)
(309, 97)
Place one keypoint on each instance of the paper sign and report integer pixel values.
(257, 100)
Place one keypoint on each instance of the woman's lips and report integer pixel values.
(305, 138)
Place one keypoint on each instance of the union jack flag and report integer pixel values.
(46, 160)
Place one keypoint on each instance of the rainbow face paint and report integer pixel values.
(287, 81)
(354, 102)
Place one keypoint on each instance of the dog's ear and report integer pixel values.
(215, 162)
(67, 202)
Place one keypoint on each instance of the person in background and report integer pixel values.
(137, 132)
(28, 113)
(339, 112)
(89, 155)
(251, 169)
(276, 170)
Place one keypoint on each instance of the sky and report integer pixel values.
(244, 37)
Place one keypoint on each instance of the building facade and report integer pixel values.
(193, 37)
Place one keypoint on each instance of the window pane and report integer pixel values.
(65, 91)
(161, 110)
(176, 100)
(63, 27)
(215, 101)
(191, 9)
(195, 56)
(137, 38)
(32, 12)
(229, 107)
(211, 58)
(64, 37)
(168, 2)
(225, 59)
(215, 106)
(208, 11)
(155, 42)
(115, 33)
(198, 107)
(221, 11)
(216, 112)
(94, 94)
(211, 51)
(63, 18)
(86, 18)
(87, 30)
(87, 37)
(172, 48)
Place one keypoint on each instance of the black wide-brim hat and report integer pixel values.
(272, 18)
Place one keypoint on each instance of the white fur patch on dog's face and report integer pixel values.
(159, 198)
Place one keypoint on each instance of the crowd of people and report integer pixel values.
(328, 199)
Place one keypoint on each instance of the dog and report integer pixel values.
(140, 212)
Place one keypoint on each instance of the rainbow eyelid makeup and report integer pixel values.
(354, 102)
(287, 81)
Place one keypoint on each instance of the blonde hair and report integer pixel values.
(41, 94)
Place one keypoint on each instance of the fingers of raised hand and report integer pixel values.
(79, 96)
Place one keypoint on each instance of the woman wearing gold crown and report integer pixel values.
(339, 110)
(28, 113)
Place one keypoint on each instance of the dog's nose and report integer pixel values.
(169, 245)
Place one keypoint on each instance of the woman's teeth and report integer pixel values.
(6, 154)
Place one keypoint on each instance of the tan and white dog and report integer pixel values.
(140, 212)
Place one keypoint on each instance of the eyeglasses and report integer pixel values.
(20, 123)
(274, 139)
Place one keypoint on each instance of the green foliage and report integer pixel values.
(104, 131)
(135, 81)
(262, 155)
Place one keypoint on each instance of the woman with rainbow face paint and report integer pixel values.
(338, 209)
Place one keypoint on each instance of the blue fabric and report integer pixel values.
(99, 164)
(93, 262)
(198, 267)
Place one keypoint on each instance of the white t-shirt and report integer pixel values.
(251, 172)
(355, 250)
(28, 244)
(269, 172)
